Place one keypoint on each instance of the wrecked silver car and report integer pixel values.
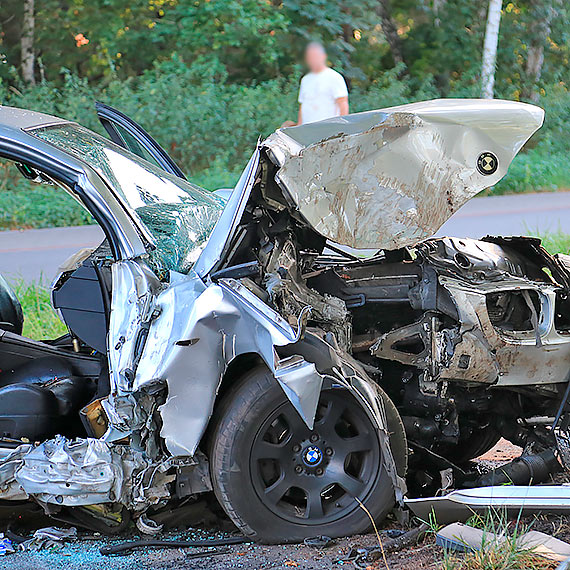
(290, 345)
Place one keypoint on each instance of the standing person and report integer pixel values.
(323, 93)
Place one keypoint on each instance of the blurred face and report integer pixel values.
(315, 58)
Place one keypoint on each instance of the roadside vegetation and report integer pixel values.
(212, 134)
(40, 319)
(207, 79)
(554, 242)
(501, 546)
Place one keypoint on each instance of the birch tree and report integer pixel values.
(27, 43)
(490, 48)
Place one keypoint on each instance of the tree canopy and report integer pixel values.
(250, 41)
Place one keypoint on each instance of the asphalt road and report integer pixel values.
(34, 255)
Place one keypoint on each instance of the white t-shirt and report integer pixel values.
(318, 95)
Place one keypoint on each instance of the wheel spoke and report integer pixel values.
(343, 446)
(297, 427)
(361, 442)
(333, 413)
(275, 492)
(350, 484)
(338, 475)
(346, 467)
(267, 450)
(314, 504)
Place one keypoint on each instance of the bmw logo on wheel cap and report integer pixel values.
(312, 455)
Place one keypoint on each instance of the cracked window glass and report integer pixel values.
(179, 216)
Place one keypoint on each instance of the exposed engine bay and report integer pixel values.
(469, 338)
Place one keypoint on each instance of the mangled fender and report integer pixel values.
(340, 369)
(199, 330)
(60, 471)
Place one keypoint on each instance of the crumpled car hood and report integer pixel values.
(390, 178)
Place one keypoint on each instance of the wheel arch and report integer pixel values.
(315, 350)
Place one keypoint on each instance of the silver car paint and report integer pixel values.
(200, 330)
(517, 500)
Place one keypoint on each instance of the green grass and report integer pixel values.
(498, 555)
(40, 320)
(554, 242)
(25, 204)
(501, 549)
(536, 170)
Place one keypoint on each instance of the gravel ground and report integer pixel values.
(83, 554)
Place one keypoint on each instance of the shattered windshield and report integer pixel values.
(178, 215)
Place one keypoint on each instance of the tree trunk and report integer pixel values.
(390, 30)
(437, 7)
(490, 49)
(540, 18)
(27, 43)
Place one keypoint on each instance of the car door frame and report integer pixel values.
(125, 240)
(109, 117)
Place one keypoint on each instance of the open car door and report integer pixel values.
(126, 133)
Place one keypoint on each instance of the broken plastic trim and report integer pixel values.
(515, 500)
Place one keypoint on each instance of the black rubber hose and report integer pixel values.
(126, 546)
(522, 470)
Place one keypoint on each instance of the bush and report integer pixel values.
(210, 126)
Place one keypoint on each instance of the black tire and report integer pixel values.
(248, 484)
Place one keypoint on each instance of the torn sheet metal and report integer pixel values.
(224, 230)
(341, 369)
(199, 331)
(516, 356)
(10, 489)
(134, 288)
(71, 473)
(389, 178)
(90, 471)
(515, 500)
(302, 385)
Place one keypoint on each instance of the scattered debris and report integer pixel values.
(393, 544)
(207, 553)
(462, 538)
(148, 526)
(128, 546)
(462, 504)
(50, 537)
(361, 557)
(6, 546)
(320, 541)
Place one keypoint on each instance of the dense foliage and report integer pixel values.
(208, 77)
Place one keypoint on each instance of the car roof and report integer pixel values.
(15, 118)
